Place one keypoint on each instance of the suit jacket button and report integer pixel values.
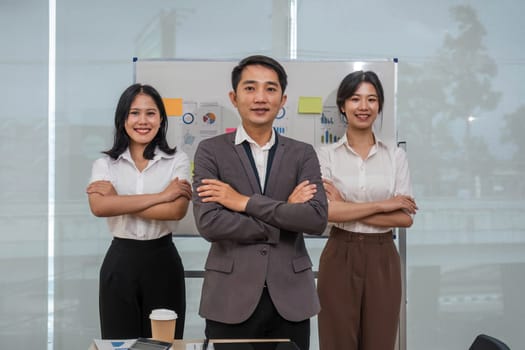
(263, 252)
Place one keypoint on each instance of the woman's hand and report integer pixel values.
(332, 193)
(398, 202)
(177, 188)
(102, 187)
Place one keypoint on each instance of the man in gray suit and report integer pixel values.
(256, 192)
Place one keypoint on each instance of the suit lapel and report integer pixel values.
(273, 176)
(246, 165)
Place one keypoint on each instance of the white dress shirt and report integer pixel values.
(260, 154)
(382, 175)
(128, 180)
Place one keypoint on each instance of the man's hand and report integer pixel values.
(332, 193)
(213, 190)
(102, 187)
(177, 188)
(303, 192)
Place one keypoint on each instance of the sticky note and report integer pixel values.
(173, 106)
(310, 105)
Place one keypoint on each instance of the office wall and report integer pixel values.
(459, 110)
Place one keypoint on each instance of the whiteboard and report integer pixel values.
(202, 87)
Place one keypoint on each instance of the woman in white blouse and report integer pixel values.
(368, 186)
(142, 186)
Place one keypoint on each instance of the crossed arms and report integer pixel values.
(223, 212)
(392, 212)
(169, 204)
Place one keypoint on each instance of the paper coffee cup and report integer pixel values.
(163, 324)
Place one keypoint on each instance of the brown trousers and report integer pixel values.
(359, 286)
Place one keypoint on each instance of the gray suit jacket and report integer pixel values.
(265, 243)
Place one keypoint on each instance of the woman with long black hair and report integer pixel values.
(142, 186)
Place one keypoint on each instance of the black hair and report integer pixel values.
(261, 60)
(121, 137)
(351, 82)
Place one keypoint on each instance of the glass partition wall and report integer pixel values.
(459, 109)
(459, 106)
(24, 174)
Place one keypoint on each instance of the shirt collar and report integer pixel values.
(343, 141)
(241, 135)
(126, 155)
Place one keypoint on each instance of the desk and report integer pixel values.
(181, 344)
(177, 344)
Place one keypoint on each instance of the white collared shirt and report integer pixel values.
(128, 180)
(382, 175)
(260, 154)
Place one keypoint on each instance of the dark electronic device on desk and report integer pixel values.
(256, 346)
(150, 344)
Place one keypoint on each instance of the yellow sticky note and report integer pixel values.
(173, 106)
(310, 105)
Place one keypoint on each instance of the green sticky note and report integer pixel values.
(310, 105)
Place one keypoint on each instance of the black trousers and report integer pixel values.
(264, 323)
(135, 278)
